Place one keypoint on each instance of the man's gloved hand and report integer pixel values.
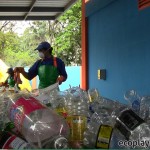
(60, 79)
(19, 69)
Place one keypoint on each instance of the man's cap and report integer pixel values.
(10, 70)
(43, 45)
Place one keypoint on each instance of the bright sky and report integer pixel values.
(21, 26)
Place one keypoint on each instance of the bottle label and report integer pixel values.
(104, 136)
(21, 108)
(77, 126)
(127, 122)
(15, 143)
(61, 111)
(92, 97)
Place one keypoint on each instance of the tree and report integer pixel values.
(33, 35)
(5, 26)
(68, 36)
(64, 34)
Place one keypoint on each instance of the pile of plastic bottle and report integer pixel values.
(72, 119)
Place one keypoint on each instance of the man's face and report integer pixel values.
(43, 53)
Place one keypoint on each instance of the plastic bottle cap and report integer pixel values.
(60, 140)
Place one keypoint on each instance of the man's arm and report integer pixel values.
(62, 71)
(32, 72)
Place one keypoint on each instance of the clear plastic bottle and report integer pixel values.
(47, 95)
(40, 125)
(59, 104)
(93, 94)
(100, 132)
(105, 103)
(132, 126)
(94, 99)
(77, 125)
(10, 141)
(134, 100)
(145, 108)
(77, 101)
(78, 115)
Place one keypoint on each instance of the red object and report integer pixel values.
(8, 142)
(143, 4)
(84, 68)
(22, 108)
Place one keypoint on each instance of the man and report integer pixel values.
(10, 81)
(50, 69)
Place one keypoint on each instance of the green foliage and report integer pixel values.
(68, 39)
(2, 42)
(13, 52)
(64, 35)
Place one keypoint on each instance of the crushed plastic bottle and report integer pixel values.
(134, 100)
(11, 141)
(93, 98)
(77, 101)
(58, 104)
(93, 94)
(40, 125)
(132, 127)
(78, 115)
(47, 95)
(145, 108)
(100, 132)
(105, 103)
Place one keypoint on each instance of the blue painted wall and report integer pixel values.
(73, 77)
(118, 41)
